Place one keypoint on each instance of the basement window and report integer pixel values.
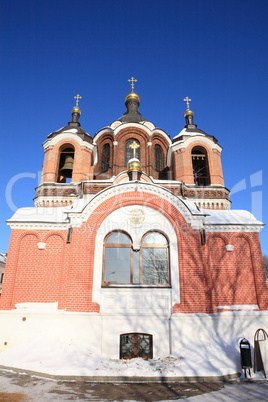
(136, 345)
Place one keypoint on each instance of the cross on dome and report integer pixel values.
(77, 99)
(132, 80)
(134, 146)
(187, 100)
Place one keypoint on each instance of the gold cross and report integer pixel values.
(187, 100)
(132, 80)
(77, 98)
(134, 146)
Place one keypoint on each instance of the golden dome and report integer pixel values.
(188, 113)
(134, 165)
(76, 109)
(132, 95)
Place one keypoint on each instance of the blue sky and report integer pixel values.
(213, 51)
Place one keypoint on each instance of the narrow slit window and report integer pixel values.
(105, 158)
(200, 167)
(129, 150)
(159, 158)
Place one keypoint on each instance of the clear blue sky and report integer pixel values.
(213, 51)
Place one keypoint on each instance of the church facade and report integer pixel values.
(131, 245)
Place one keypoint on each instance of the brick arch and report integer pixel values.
(233, 279)
(216, 250)
(36, 279)
(131, 131)
(181, 227)
(140, 198)
(57, 148)
(121, 138)
(48, 235)
(25, 267)
(30, 232)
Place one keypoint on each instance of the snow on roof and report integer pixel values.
(188, 133)
(47, 214)
(3, 257)
(193, 208)
(230, 217)
(71, 130)
(60, 214)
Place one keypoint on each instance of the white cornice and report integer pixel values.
(197, 138)
(217, 228)
(37, 225)
(66, 137)
(103, 131)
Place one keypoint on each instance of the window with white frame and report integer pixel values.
(124, 265)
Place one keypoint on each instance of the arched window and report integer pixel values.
(159, 158)
(123, 265)
(200, 166)
(66, 164)
(129, 150)
(154, 259)
(118, 255)
(105, 158)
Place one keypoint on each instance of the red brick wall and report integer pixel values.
(147, 158)
(183, 169)
(82, 167)
(209, 275)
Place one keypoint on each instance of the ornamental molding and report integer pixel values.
(195, 219)
(37, 225)
(237, 228)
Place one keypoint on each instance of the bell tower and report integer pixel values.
(195, 161)
(68, 161)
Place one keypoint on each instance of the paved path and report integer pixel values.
(16, 387)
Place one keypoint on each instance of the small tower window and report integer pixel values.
(66, 165)
(105, 158)
(200, 166)
(159, 158)
(129, 150)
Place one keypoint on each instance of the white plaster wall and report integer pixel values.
(101, 332)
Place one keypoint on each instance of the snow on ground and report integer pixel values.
(48, 354)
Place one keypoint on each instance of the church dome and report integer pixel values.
(132, 96)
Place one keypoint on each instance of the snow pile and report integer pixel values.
(52, 356)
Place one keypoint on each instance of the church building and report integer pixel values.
(131, 246)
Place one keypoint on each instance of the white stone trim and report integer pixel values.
(245, 307)
(37, 225)
(66, 137)
(239, 228)
(210, 201)
(196, 220)
(103, 131)
(120, 297)
(186, 143)
(136, 125)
